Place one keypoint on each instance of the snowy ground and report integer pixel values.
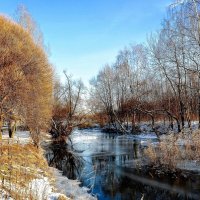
(41, 187)
(23, 137)
(163, 128)
(191, 165)
(71, 188)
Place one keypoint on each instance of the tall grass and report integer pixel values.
(19, 165)
(174, 149)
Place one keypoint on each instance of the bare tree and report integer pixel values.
(67, 111)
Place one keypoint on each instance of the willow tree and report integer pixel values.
(25, 78)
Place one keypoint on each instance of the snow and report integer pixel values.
(71, 188)
(20, 136)
(4, 195)
(190, 165)
(40, 188)
(147, 136)
(84, 138)
(145, 127)
(54, 196)
(182, 142)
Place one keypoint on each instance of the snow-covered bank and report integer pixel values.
(189, 165)
(42, 189)
(145, 128)
(23, 137)
(71, 188)
(28, 175)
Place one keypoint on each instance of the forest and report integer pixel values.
(156, 81)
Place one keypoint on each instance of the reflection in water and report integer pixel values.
(60, 157)
(109, 181)
(109, 166)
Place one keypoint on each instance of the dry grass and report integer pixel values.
(63, 197)
(85, 125)
(20, 164)
(174, 149)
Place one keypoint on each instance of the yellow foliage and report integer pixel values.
(25, 77)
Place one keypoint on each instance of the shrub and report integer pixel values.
(174, 149)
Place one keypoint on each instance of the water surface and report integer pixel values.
(109, 165)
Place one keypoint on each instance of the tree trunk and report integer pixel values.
(133, 122)
(11, 129)
(178, 125)
(1, 129)
(182, 114)
(199, 108)
(176, 119)
(171, 123)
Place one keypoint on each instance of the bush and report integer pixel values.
(174, 149)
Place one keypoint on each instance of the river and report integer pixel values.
(109, 166)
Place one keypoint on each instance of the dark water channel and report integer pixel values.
(109, 166)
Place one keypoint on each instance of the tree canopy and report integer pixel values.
(25, 77)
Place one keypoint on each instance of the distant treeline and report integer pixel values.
(159, 80)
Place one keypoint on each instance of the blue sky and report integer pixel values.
(83, 35)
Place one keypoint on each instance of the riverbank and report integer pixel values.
(24, 172)
(171, 151)
(121, 155)
(64, 163)
(145, 127)
(113, 167)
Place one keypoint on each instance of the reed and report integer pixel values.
(173, 149)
